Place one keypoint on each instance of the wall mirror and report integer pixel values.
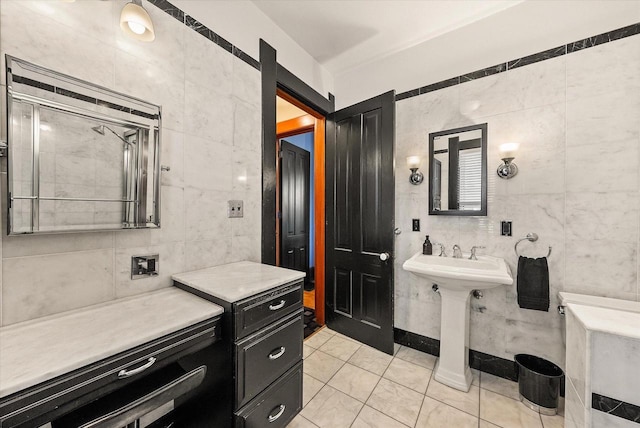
(80, 157)
(458, 171)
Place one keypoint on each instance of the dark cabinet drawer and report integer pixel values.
(263, 357)
(257, 312)
(277, 405)
(49, 400)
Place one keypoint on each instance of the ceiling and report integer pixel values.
(342, 34)
(285, 110)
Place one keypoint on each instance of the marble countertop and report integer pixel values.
(236, 281)
(38, 350)
(606, 320)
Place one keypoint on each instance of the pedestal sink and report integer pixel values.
(456, 280)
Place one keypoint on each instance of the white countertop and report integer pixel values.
(236, 281)
(36, 351)
(606, 320)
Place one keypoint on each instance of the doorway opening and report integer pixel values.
(300, 199)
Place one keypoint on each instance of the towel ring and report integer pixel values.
(531, 237)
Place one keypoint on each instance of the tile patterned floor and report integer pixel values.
(348, 384)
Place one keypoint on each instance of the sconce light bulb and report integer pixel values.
(413, 162)
(508, 150)
(136, 27)
(136, 22)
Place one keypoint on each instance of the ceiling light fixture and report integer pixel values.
(136, 22)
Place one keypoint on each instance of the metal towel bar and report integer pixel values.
(47, 198)
(531, 237)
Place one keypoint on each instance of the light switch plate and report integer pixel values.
(505, 228)
(235, 209)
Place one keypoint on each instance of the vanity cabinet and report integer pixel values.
(175, 372)
(264, 332)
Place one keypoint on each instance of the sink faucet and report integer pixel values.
(442, 253)
(457, 252)
(473, 252)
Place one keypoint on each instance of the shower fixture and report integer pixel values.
(100, 130)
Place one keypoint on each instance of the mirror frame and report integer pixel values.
(483, 203)
(123, 104)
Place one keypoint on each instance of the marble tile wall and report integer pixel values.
(575, 117)
(211, 140)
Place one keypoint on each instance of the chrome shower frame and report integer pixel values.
(144, 134)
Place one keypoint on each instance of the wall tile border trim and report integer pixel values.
(614, 407)
(203, 30)
(487, 363)
(589, 42)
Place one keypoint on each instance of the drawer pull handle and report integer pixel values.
(127, 373)
(274, 355)
(280, 408)
(278, 306)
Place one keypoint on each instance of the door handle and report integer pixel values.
(274, 417)
(134, 410)
(126, 373)
(275, 354)
(278, 306)
(384, 256)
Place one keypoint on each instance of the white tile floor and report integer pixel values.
(348, 384)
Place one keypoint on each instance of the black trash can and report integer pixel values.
(539, 383)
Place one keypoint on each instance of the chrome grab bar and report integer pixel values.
(274, 355)
(272, 417)
(124, 373)
(278, 306)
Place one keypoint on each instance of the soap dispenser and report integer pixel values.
(427, 248)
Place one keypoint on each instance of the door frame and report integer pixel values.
(311, 122)
(275, 77)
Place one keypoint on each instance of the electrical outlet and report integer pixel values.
(505, 228)
(415, 225)
(235, 209)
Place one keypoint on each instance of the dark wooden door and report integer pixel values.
(294, 173)
(360, 221)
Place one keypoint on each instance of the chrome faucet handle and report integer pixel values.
(473, 252)
(457, 252)
(442, 252)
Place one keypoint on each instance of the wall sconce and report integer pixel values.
(136, 22)
(416, 177)
(508, 153)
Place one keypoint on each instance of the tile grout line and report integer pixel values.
(479, 393)
(399, 384)
(299, 414)
(371, 393)
(423, 398)
(314, 395)
(374, 388)
(490, 390)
